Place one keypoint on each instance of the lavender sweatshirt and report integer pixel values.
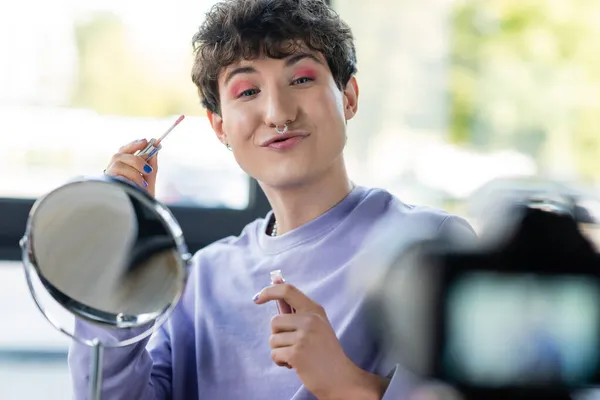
(215, 345)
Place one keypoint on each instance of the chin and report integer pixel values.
(282, 179)
(283, 183)
(294, 170)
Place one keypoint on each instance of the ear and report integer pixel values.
(217, 125)
(351, 98)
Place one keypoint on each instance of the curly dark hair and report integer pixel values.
(247, 29)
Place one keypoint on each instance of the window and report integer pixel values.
(50, 145)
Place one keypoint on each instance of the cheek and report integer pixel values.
(325, 105)
(337, 103)
(238, 125)
(332, 112)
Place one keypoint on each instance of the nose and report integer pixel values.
(281, 109)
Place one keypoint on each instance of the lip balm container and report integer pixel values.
(282, 306)
(150, 150)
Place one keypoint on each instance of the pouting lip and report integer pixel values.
(285, 136)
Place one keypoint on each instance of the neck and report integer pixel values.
(297, 205)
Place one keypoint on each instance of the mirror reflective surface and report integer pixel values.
(106, 252)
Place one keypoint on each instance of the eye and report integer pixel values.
(248, 93)
(302, 80)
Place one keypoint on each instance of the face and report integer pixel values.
(258, 95)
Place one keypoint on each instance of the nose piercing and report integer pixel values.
(283, 130)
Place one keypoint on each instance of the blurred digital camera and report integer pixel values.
(513, 314)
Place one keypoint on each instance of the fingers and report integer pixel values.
(282, 339)
(125, 167)
(135, 162)
(285, 323)
(278, 342)
(291, 295)
(303, 324)
(282, 355)
(131, 167)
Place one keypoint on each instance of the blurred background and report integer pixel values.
(456, 95)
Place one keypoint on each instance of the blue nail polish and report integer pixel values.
(145, 184)
(255, 297)
(147, 169)
(140, 140)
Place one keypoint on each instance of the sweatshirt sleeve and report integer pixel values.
(131, 372)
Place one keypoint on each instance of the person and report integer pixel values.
(277, 78)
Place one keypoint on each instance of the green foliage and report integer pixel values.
(115, 79)
(525, 74)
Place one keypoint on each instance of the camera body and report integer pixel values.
(515, 314)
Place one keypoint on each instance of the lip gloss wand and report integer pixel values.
(154, 145)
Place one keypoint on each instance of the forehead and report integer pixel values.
(285, 60)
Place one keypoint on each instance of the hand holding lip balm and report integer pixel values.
(303, 339)
(282, 306)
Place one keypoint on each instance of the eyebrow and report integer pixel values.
(301, 56)
(290, 61)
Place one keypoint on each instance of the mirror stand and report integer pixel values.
(96, 370)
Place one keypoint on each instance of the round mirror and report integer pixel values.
(106, 252)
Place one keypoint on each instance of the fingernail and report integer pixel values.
(147, 169)
(256, 296)
(140, 140)
(145, 183)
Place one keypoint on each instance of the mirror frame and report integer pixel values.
(90, 314)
